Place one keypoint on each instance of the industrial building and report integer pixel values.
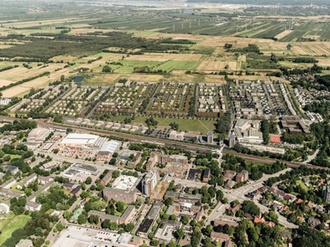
(78, 140)
(107, 150)
(38, 135)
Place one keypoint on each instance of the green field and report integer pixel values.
(129, 65)
(178, 65)
(10, 223)
(202, 126)
(302, 185)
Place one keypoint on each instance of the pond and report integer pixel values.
(78, 79)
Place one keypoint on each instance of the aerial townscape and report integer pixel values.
(181, 123)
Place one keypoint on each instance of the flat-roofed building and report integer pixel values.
(26, 181)
(206, 175)
(119, 195)
(13, 169)
(38, 135)
(78, 140)
(175, 135)
(107, 150)
(150, 218)
(242, 176)
(107, 178)
(24, 243)
(247, 131)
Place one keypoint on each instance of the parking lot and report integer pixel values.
(79, 236)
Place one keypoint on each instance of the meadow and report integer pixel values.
(9, 223)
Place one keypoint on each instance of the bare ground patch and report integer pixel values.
(283, 34)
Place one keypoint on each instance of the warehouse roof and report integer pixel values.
(80, 139)
(110, 146)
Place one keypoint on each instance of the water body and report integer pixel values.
(78, 79)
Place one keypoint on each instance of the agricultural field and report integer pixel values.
(178, 65)
(164, 46)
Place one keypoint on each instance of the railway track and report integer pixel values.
(158, 141)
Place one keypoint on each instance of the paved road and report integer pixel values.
(239, 194)
(311, 157)
(179, 144)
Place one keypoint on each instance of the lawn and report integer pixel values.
(10, 224)
(202, 126)
(129, 65)
(302, 185)
(15, 156)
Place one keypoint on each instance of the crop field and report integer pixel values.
(178, 65)
(19, 73)
(9, 223)
(40, 82)
(128, 66)
(163, 57)
(283, 34)
(295, 65)
(312, 49)
(277, 48)
(45, 23)
(323, 61)
(4, 82)
(217, 65)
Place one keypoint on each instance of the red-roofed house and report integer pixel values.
(271, 224)
(259, 220)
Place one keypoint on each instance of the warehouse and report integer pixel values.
(107, 150)
(38, 135)
(76, 140)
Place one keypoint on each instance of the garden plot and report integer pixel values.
(77, 101)
(128, 98)
(210, 100)
(172, 99)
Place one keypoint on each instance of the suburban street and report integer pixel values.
(239, 194)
